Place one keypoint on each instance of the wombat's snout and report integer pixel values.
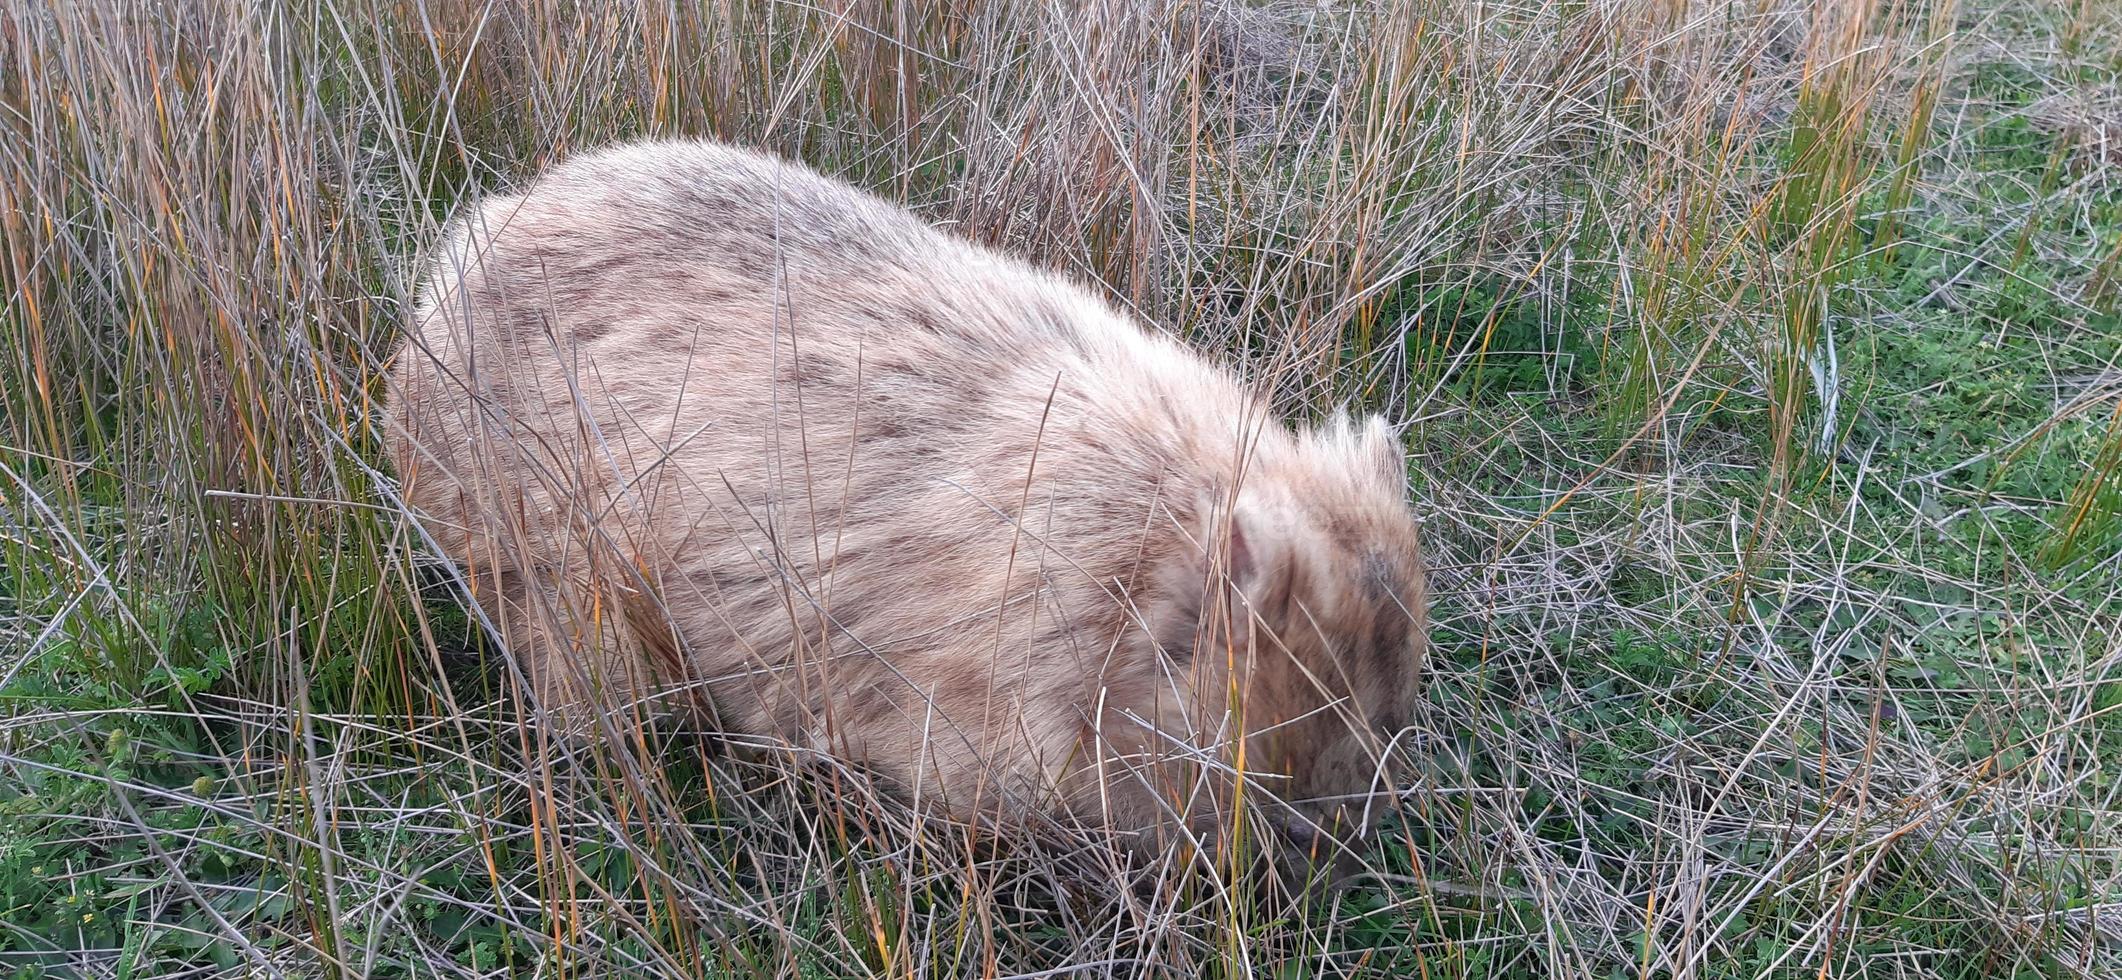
(1301, 834)
(1327, 846)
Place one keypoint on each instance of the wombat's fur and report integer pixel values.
(693, 417)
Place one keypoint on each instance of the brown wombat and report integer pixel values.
(698, 420)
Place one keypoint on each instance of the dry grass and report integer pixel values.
(1760, 358)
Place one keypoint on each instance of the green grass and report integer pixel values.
(1763, 371)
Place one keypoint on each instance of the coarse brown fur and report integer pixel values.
(696, 419)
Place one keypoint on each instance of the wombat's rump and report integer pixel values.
(696, 419)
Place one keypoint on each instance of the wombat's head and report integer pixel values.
(1319, 658)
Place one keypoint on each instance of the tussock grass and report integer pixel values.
(1760, 366)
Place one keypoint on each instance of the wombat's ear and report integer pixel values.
(1378, 444)
(1254, 540)
(1372, 445)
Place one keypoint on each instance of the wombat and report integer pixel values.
(699, 423)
